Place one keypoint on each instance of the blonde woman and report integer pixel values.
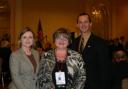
(24, 62)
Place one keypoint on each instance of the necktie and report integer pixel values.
(82, 45)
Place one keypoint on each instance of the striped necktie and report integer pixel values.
(82, 45)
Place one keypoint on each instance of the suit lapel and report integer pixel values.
(27, 59)
(77, 44)
(89, 44)
(36, 58)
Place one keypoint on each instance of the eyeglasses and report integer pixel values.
(62, 38)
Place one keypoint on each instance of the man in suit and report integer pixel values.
(95, 53)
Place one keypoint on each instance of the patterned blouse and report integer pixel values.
(75, 66)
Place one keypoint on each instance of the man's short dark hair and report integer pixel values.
(81, 14)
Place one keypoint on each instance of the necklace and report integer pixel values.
(27, 51)
(61, 55)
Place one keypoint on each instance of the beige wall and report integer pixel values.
(120, 19)
(122, 22)
(62, 13)
(52, 13)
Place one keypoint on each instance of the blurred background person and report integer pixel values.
(5, 51)
(120, 69)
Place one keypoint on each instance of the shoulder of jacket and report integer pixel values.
(49, 53)
(73, 53)
(16, 52)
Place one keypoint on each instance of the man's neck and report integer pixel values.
(86, 35)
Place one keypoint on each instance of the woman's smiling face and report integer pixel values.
(61, 42)
(27, 39)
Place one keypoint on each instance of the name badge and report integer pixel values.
(60, 78)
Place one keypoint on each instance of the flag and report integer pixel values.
(40, 31)
(39, 35)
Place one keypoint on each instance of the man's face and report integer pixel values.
(84, 24)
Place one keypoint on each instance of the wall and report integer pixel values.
(4, 18)
(57, 13)
(120, 19)
(52, 13)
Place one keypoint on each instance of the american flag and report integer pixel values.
(40, 34)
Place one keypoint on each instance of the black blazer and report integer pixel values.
(98, 63)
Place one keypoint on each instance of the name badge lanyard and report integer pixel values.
(60, 66)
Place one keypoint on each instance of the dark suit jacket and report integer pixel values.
(98, 63)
